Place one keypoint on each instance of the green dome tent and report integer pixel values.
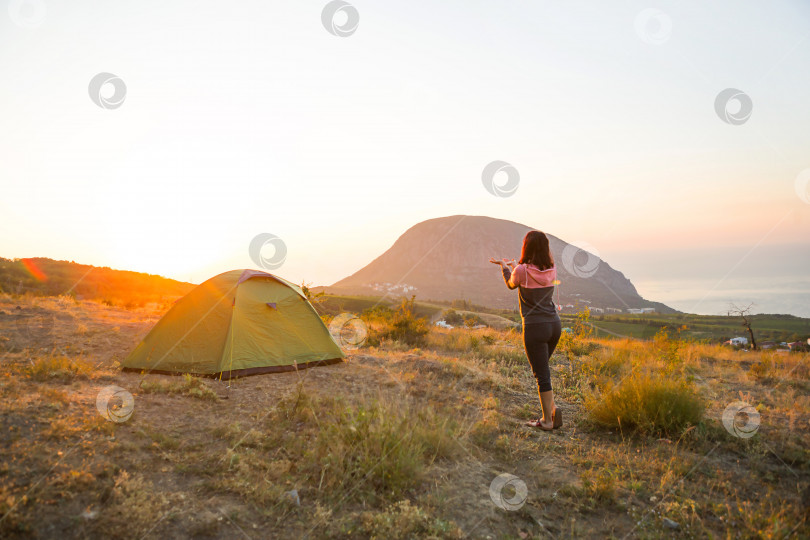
(241, 322)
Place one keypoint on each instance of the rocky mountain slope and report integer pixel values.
(447, 258)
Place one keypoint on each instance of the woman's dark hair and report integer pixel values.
(536, 250)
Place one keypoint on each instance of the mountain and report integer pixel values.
(447, 258)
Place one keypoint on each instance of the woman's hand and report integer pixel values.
(503, 262)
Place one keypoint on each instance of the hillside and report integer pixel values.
(396, 442)
(448, 258)
(47, 277)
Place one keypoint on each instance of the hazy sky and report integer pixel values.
(241, 118)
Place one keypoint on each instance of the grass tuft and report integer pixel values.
(369, 448)
(647, 404)
(189, 386)
(59, 368)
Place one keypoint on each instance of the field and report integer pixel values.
(409, 438)
(711, 328)
(700, 328)
(705, 328)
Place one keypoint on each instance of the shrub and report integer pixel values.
(566, 339)
(582, 324)
(398, 325)
(647, 404)
(472, 320)
(765, 368)
(581, 348)
(668, 349)
(452, 317)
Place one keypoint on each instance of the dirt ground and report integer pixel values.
(197, 459)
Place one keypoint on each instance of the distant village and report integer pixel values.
(741, 342)
(580, 303)
(572, 308)
(393, 287)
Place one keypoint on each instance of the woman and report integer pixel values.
(535, 276)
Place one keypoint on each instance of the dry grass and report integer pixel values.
(188, 385)
(400, 441)
(648, 404)
(59, 368)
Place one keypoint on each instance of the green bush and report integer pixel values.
(397, 325)
(472, 320)
(452, 317)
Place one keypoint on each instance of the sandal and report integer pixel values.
(536, 423)
(556, 421)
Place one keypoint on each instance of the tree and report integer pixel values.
(472, 320)
(314, 299)
(745, 313)
(452, 317)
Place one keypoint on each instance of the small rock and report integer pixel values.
(293, 495)
(90, 514)
(669, 524)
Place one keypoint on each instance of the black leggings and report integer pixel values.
(540, 340)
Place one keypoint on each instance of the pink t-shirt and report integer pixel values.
(531, 277)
